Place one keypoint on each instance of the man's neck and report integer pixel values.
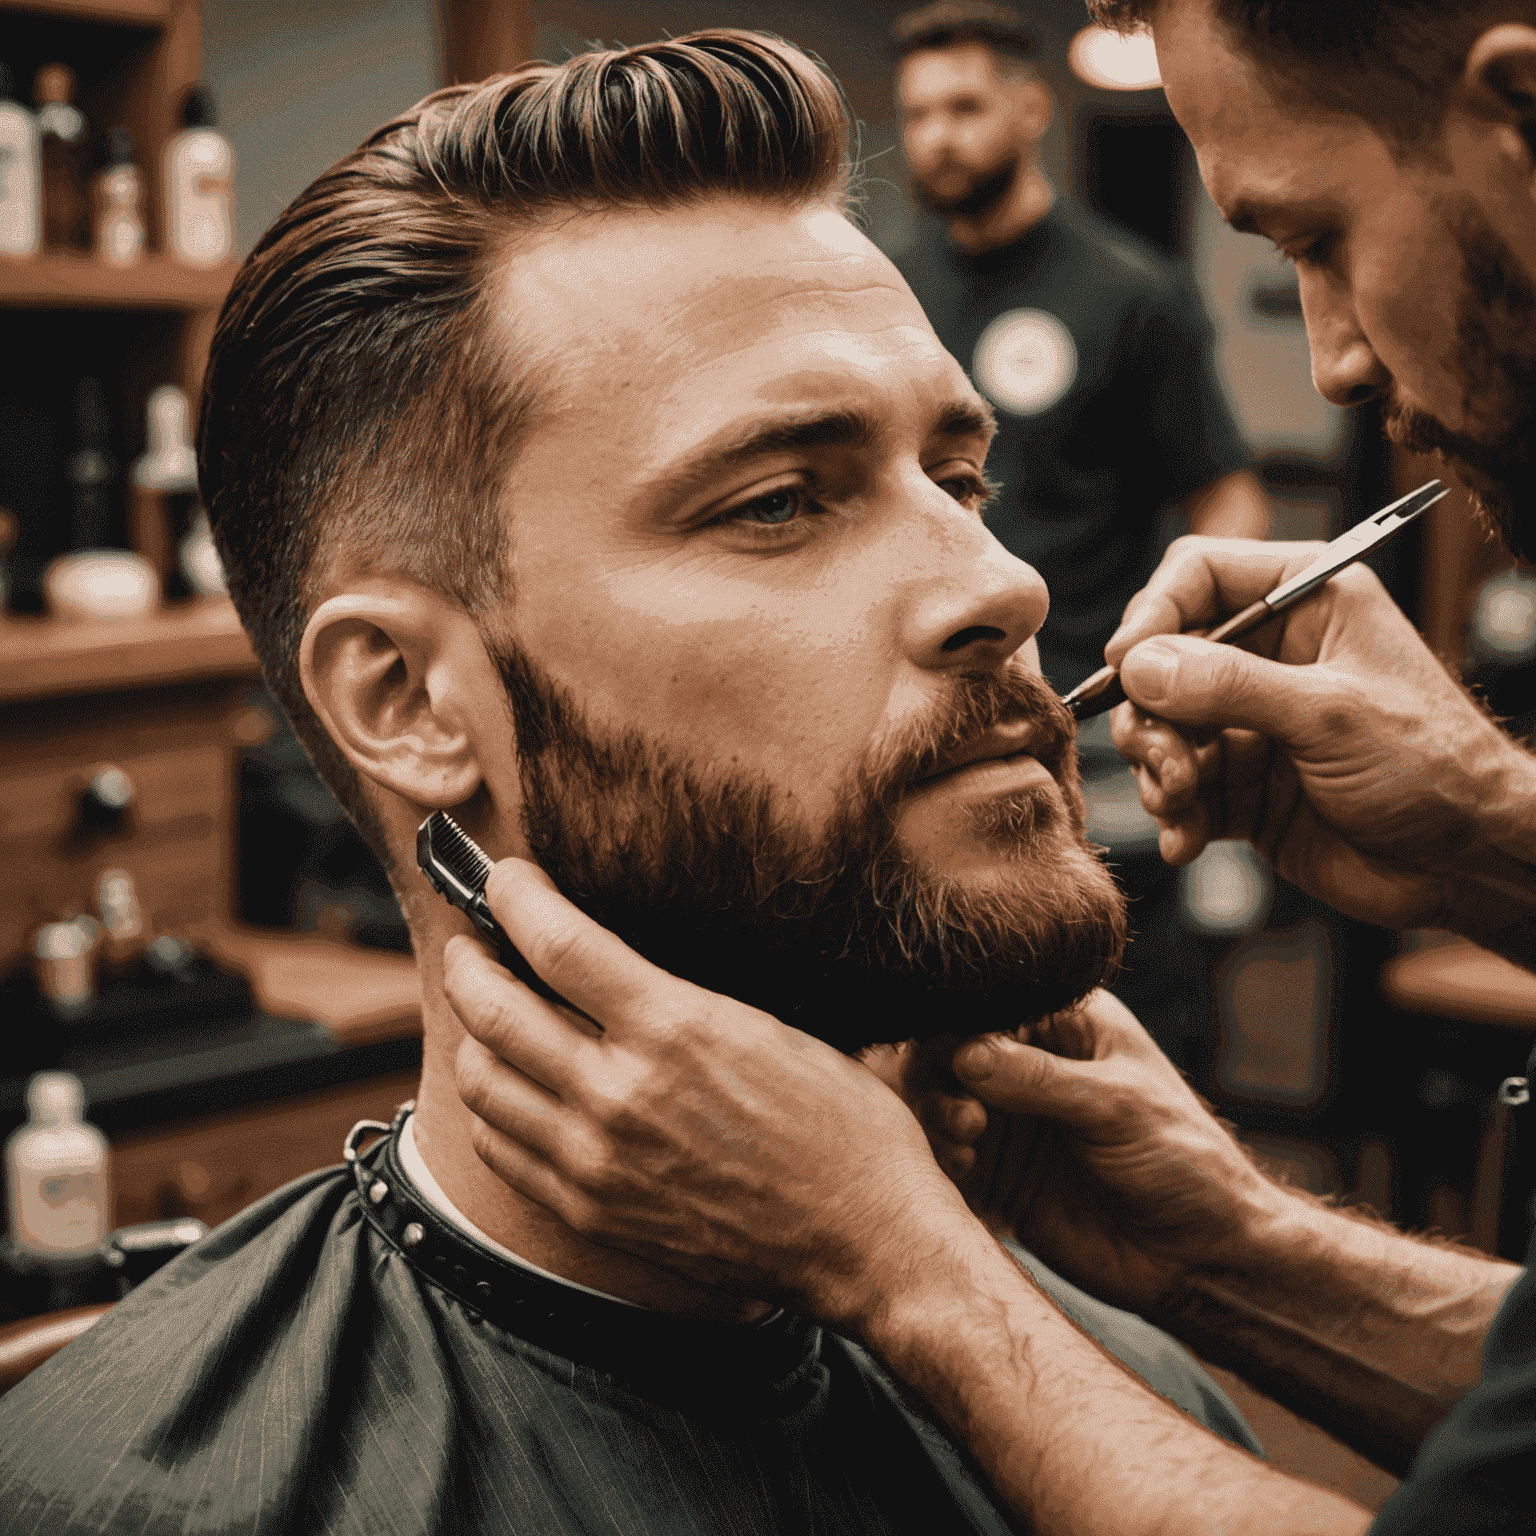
(442, 1125)
(1028, 199)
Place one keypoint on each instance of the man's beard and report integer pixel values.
(712, 876)
(983, 192)
(1496, 367)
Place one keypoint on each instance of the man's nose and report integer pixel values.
(1345, 368)
(975, 605)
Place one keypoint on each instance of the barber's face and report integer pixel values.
(963, 128)
(1408, 292)
(775, 689)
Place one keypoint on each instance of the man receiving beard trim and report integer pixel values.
(577, 465)
(1390, 151)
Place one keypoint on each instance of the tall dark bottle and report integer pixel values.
(66, 152)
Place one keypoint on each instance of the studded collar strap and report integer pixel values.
(763, 1369)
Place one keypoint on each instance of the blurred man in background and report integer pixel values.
(1095, 350)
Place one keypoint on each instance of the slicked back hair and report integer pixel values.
(1391, 62)
(357, 404)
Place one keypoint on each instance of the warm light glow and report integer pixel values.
(1115, 63)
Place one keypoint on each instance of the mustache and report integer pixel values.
(979, 702)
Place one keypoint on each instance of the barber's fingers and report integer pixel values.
(593, 969)
(544, 1043)
(1195, 683)
(1202, 581)
(515, 1105)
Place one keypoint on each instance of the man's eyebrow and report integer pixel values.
(799, 431)
(966, 418)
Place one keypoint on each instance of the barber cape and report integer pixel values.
(340, 1358)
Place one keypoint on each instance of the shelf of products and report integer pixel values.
(55, 280)
(43, 658)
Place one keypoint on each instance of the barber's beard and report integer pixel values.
(1495, 456)
(984, 190)
(714, 877)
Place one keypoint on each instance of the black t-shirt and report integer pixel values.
(1476, 1473)
(1096, 351)
(338, 1358)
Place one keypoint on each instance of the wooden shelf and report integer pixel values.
(43, 658)
(121, 13)
(54, 280)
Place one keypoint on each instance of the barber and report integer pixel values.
(721, 1143)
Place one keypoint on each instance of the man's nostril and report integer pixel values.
(964, 637)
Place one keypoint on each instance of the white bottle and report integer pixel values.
(21, 174)
(199, 186)
(162, 485)
(117, 194)
(56, 1173)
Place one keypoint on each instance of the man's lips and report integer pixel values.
(1001, 742)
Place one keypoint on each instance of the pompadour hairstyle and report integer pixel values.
(946, 23)
(356, 402)
(1391, 62)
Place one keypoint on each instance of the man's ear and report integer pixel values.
(1498, 81)
(395, 673)
(1037, 107)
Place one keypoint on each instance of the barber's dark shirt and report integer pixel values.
(1476, 1473)
(1095, 350)
(339, 1359)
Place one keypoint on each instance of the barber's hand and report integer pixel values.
(1333, 740)
(952, 1120)
(1099, 1157)
(694, 1131)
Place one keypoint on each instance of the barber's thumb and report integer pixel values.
(1004, 1073)
(1194, 682)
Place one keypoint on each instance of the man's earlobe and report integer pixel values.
(1501, 72)
(383, 669)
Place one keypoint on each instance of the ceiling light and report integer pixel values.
(1114, 63)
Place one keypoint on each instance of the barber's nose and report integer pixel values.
(976, 616)
(1345, 368)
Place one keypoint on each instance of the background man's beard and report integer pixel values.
(984, 191)
(840, 933)
(1496, 366)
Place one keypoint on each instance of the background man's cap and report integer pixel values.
(946, 22)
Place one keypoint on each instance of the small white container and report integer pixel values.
(57, 1173)
(21, 174)
(199, 185)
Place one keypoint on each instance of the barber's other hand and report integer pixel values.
(1333, 740)
(694, 1131)
(1099, 1157)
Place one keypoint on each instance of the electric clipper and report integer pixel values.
(458, 868)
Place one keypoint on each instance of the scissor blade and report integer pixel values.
(1365, 538)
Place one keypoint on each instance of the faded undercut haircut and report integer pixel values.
(1391, 62)
(949, 23)
(359, 402)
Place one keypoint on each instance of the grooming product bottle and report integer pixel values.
(66, 147)
(117, 197)
(91, 469)
(162, 491)
(57, 1173)
(199, 186)
(21, 174)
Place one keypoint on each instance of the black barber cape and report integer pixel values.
(1476, 1473)
(338, 1358)
(1096, 350)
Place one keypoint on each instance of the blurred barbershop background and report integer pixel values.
(198, 957)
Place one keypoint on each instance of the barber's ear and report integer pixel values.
(1039, 108)
(1499, 78)
(393, 671)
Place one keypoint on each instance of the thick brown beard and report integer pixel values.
(1497, 463)
(839, 932)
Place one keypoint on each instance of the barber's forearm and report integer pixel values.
(1072, 1442)
(1494, 896)
(1368, 1332)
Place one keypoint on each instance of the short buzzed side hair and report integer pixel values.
(358, 403)
(1390, 62)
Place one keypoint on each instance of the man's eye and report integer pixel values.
(773, 510)
(970, 490)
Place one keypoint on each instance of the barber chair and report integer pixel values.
(127, 1258)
